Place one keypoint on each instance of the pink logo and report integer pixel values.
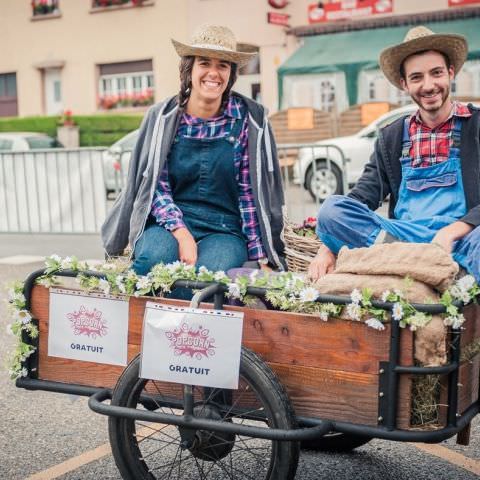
(191, 341)
(89, 323)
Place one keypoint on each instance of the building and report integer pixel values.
(95, 56)
(336, 63)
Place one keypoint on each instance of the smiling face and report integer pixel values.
(427, 80)
(209, 79)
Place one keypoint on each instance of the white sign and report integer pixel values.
(191, 346)
(91, 327)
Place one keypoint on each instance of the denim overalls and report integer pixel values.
(204, 184)
(429, 199)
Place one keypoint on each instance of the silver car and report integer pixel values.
(116, 160)
(24, 141)
(333, 164)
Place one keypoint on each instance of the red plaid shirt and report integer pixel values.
(432, 145)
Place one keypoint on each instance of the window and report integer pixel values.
(40, 141)
(45, 7)
(5, 144)
(57, 92)
(323, 91)
(8, 94)
(128, 84)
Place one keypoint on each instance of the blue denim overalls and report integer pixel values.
(204, 185)
(430, 198)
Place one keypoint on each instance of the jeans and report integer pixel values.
(216, 251)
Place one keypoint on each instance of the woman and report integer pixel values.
(204, 184)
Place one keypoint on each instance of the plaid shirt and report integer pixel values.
(432, 145)
(170, 216)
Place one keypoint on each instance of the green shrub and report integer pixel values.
(95, 130)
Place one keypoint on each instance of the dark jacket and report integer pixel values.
(126, 220)
(383, 174)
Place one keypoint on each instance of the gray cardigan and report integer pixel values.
(127, 218)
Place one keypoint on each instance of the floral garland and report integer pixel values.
(285, 291)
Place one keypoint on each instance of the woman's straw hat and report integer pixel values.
(419, 39)
(213, 41)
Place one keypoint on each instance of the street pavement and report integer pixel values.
(46, 435)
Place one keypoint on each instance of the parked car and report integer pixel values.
(321, 170)
(116, 160)
(22, 141)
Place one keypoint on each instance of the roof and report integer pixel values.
(353, 51)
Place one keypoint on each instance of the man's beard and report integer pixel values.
(435, 107)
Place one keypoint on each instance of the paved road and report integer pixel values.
(46, 436)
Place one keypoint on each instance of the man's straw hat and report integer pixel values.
(419, 39)
(213, 41)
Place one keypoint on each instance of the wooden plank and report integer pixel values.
(297, 339)
(330, 394)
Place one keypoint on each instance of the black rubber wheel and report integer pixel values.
(335, 442)
(323, 182)
(145, 450)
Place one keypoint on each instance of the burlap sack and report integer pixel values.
(425, 262)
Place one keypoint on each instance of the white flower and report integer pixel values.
(131, 275)
(54, 258)
(104, 286)
(143, 283)
(14, 297)
(203, 269)
(466, 283)
(234, 290)
(375, 323)
(356, 296)
(385, 295)
(219, 276)
(120, 284)
(23, 372)
(455, 321)
(66, 263)
(354, 311)
(397, 311)
(253, 275)
(22, 316)
(309, 294)
(323, 316)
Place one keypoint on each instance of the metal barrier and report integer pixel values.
(65, 190)
(311, 173)
(52, 191)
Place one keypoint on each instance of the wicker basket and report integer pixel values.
(299, 250)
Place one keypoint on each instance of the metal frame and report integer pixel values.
(311, 428)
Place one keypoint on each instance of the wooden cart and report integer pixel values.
(331, 385)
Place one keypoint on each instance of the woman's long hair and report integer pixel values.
(186, 66)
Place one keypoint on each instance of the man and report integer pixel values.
(428, 163)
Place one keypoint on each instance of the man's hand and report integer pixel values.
(449, 234)
(323, 263)
(187, 246)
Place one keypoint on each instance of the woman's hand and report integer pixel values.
(323, 263)
(187, 246)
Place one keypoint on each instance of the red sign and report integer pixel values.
(278, 19)
(456, 3)
(347, 10)
(278, 3)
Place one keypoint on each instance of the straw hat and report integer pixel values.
(419, 39)
(213, 41)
